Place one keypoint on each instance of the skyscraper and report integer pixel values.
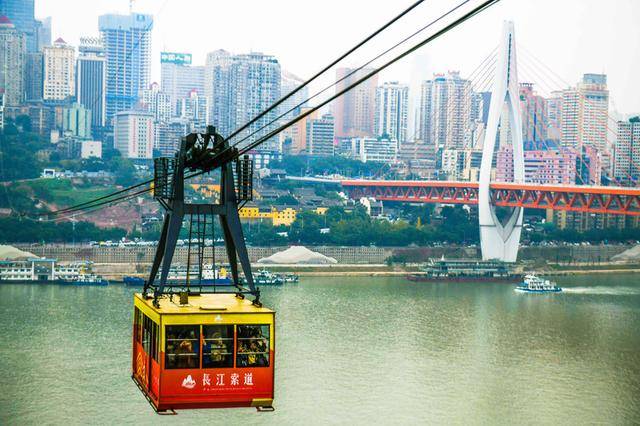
(178, 78)
(156, 102)
(392, 109)
(193, 109)
(59, 71)
(238, 88)
(445, 111)
(354, 112)
(626, 152)
(127, 43)
(585, 111)
(91, 79)
(288, 84)
(33, 80)
(21, 14)
(12, 61)
(533, 108)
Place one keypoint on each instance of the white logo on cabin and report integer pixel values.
(188, 382)
(218, 318)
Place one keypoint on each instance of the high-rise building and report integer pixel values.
(44, 33)
(626, 152)
(168, 136)
(217, 90)
(1, 109)
(193, 109)
(381, 150)
(553, 119)
(354, 112)
(296, 135)
(76, 121)
(33, 79)
(21, 14)
(585, 110)
(533, 109)
(59, 71)
(91, 79)
(288, 84)
(238, 88)
(178, 78)
(392, 110)
(445, 111)
(133, 134)
(320, 136)
(12, 62)
(156, 102)
(127, 44)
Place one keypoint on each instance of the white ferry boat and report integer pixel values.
(47, 271)
(534, 284)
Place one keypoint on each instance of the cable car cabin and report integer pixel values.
(215, 351)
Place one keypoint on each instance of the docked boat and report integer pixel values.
(465, 270)
(265, 277)
(534, 284)
(291, 278)
(178, 274)
(40, 270)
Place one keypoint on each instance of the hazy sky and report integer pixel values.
(572, 37)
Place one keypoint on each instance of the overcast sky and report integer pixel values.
(571, 37)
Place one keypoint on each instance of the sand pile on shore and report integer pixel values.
(12, 253)
(296, 255)
(629, 255)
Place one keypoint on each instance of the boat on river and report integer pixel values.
(178, 275)
(465, 270)
(535, 284)
(41, 270)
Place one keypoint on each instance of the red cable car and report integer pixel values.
(215, 351)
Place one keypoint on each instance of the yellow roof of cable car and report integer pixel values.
(203, 304)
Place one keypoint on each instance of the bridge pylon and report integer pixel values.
(500, 240)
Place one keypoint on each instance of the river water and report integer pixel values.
(351, 350)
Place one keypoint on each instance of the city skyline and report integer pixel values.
(591, 51)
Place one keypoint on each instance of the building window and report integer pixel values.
(150, 337)
(253, 346)
(182, 346)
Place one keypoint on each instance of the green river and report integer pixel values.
(351, 351)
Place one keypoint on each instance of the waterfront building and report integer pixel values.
(626, 152)
(127, 50)
(179, 78)
(392, 110)
(354, 112)
(76, 121)
(461, 164)
(319, 136)
(134, 134)
(91, 79)
(445, 111)
(59, 71)
(12, 62)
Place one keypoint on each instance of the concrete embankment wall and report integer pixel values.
(344, 255)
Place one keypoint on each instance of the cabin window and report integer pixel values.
(182, 346)
(253, 346)
(217, 346)
(150, 337)
(137, 325)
